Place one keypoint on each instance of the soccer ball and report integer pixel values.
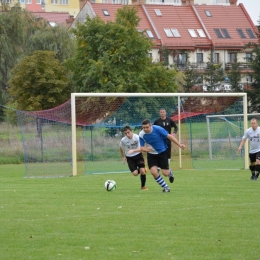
(110, 185)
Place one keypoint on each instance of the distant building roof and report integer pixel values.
(55, 18)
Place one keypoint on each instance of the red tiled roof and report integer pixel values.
(187, 17)
(112, 9)
(228, 17)
(56, 17)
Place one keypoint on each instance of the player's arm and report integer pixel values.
(174, 140)
(175, 127)
(241, 145)
(122, 154)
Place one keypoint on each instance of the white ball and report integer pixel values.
(110, 185)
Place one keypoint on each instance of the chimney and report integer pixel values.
(233, 2)
(187, 2)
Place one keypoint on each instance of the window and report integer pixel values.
(149, 33)
(158, 12)
(64, 2)
(182, 59)
(150, 55)
(248, 57)
(216, 57)
(241, 33)
(231, 57)
(225, 33)
(199, 57)
(249, 78)
(218, 33)
(168, 32)
(192, 33)
(124, 2)
(22, 1)
(105, 12)
(28, 1)
(208, 13)
(54, 2)
(175, 33)
(39, 1)
(250, 33)
(201, 33)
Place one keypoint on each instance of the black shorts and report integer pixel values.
(169, 149)
(159, 160)
(135, 162)
(254, 156)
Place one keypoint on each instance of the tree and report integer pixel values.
(235, 76)
(56, 39)
(253, 92)
(192, 78)
(39, 82)
(113, 57)
(214, 73)
(20, 34)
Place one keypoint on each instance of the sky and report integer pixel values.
(253, 8)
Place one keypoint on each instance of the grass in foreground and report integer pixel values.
(207, 215)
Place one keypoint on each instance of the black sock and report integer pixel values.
(143, 179)
(252, 169)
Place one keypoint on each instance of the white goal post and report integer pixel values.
(222, 117)
(178, 95)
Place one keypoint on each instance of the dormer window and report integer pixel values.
(168, 32)
(175, 33)
(192, 33)
(158, 12)
(250, 33)
(201, 33)
(225, 33)
(208, 13)
(105, 12)
(149, 33)
(241, 33)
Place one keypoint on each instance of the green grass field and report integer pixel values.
(207, 215)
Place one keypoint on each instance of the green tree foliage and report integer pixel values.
(39, 82)
(253, 92)
(112, 57)
(20, 34)
(235, 76)
(56, 39)
(214, 73)
(192, 78)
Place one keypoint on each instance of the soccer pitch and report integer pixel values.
(207, 215)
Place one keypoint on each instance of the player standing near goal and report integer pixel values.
(253, 134)
(134, 160)
(167, 123)
(153, 140)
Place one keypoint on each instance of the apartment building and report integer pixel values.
(190, 32)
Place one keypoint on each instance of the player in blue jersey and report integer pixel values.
(153, 140)
(253, 134)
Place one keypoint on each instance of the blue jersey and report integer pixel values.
(157, 139)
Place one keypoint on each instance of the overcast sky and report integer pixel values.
(252, 7)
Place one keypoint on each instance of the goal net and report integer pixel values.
(83, 134)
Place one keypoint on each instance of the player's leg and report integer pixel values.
(252, 157)
(141, 167)
(132, 165)
(153, 164)
(169, 152)
(165, 166)
(257, 166)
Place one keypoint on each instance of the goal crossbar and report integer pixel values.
(178, 95)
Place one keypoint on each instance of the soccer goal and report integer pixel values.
(226, 130)
(100, 117)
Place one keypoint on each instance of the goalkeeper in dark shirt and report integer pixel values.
(167, 123)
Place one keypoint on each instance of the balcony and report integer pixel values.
(200, 66)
